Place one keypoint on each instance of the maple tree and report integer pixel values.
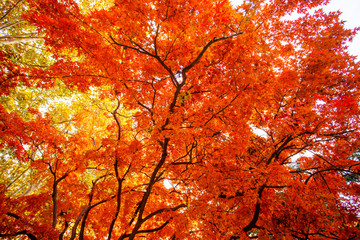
(181, 120)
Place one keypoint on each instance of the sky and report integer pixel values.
(350, 14)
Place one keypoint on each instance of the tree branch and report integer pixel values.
(163, 210)
(114, 113)
(143, 51)
(118, 196)
(152, 181)
(145, 231)
(253, 221)
(214, 40)
(78, 219)
(10, 9)
(23, 232)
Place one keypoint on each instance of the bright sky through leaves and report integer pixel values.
(350, 14)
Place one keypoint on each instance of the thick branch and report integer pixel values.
(86, 214)
(277, 152)
(24, 232)
(91, 206)
(61, 235)
(255, 218)
(145, 231)
(118, 196)
(13, 215)
(73, 232)
(163, 210)
(54, 196)
(114, 113)
(149, 188)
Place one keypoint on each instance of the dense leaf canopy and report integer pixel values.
(176, 119)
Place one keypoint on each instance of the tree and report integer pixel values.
(189, 120)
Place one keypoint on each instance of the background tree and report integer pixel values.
(189, 120)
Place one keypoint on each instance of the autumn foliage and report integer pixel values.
(176, 119)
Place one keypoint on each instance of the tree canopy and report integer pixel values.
(178, 119)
